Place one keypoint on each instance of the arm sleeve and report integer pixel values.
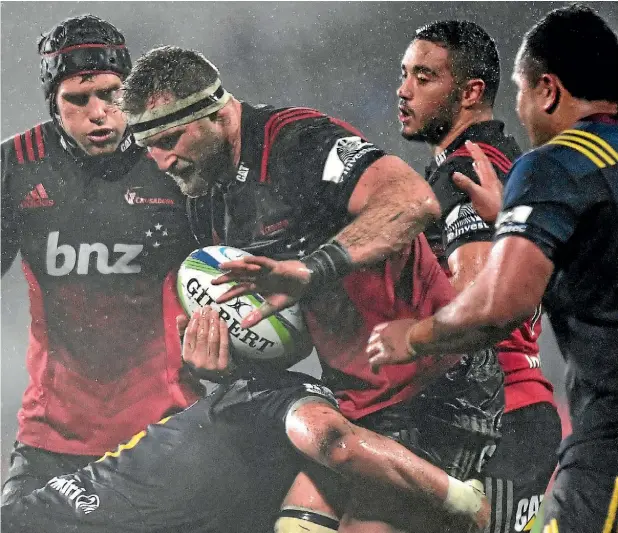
(9, 235)
(460, 221)
(320, 161)
(543, 201)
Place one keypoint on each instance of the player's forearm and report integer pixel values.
(392, 217)
(472, 321)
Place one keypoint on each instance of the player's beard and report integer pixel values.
(217, 165)
(438, 126)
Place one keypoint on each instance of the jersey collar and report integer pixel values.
(480, 131)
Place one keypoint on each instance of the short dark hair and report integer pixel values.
(569, 42)
(170, 69)
(473, 53)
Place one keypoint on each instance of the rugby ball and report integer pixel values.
(280, 340)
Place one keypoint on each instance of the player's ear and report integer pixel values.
(473, 91)
(550, 90)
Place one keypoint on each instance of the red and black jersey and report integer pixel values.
(297, 170)
(410, 284)
(461, 224)
(100, 239)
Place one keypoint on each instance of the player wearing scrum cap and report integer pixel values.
(101, 233)
(283, 183)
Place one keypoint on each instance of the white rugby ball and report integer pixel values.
(281, 339)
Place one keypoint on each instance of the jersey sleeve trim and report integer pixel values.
(274, 125)
(26, 140)
(542, 239)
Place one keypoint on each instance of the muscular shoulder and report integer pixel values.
(553, 173)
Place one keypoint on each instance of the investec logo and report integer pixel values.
(63, 258)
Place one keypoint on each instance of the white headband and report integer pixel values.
(193, 107)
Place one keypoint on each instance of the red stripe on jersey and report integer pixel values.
(29, 147)
(273, 127)
(463, 152)
(19, 151)
(497, 153)
(39, 141)
(41, 190)
(347, 126)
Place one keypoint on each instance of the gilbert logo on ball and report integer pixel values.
(281, 339)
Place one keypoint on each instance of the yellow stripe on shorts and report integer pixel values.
(131, 443)
(611, 512)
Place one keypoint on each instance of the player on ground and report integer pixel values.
(225, 463)
(255, 164)
(101, 232)
(556, 239)
(450, 75)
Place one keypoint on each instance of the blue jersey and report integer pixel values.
(564, 198)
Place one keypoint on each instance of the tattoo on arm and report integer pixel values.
(392, 218)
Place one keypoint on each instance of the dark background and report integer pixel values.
(342, 58)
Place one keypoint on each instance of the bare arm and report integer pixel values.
(466, 262)
(392, 204)
(504, 294)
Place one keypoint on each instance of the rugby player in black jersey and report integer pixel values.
(450, 74)
(220, 464)
(101, 232)
(556, 239)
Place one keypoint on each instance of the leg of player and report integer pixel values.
(313, 504)
(31, 468)
(323, 434)
(191, 472)
(520, 469)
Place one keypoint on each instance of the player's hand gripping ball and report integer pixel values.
(281, 340)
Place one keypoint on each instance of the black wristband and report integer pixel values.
(328, 263)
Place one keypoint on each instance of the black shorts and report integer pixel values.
(31, 468)
(224, 464)
(455, 422)
(584, 497)
(518, 473)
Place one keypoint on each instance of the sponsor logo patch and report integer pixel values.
(342, 157)
(37, 197)
(69, 487)
(133, 198)
(517, 215)
(527, 509)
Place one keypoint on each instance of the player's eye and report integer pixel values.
(77, 99)
(167, 143)
(403, 76)
(107, 95)
(422, 79)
